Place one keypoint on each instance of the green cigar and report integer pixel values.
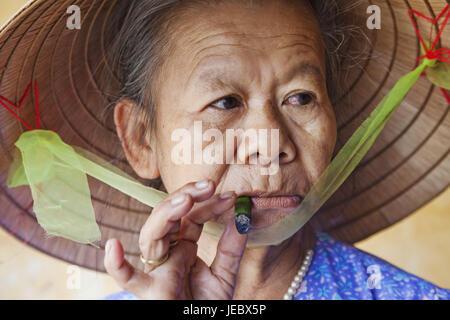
(243, 214)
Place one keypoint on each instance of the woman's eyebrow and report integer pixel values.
(302, 68)
(212, 75)
(215, 79)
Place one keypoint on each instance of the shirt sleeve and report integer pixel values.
(122, 295)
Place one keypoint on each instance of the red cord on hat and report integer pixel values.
(5, 102)
(442, 54)
(446, 95)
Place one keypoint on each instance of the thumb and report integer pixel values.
(230, 249)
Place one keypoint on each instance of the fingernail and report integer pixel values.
(227, 195)
(178, 199)
(108, 247)
(242, 223)
(202, 184)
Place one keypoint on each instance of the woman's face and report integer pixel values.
(239, 67)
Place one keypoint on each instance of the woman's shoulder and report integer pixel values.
(347, 272)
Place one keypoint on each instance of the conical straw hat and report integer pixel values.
(407, 166)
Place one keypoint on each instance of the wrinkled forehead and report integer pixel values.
(247, 28)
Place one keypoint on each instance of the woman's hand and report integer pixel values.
(184, 275)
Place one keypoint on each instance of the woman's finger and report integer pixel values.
(166, 216)
(229, 254)
(170, 278)
(126, 276)
(192, 224)
(153, 242)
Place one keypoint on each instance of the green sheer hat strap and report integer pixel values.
(342, 165)
(57, 172)
(57, 175)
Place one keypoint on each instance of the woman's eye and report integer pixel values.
(226, 103)
(301, 99)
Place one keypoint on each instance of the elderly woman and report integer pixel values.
(224, 65)
(284, 88)
(246, 65)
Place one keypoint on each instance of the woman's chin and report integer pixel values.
(264, 218)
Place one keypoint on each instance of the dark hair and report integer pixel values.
(138, 50)
(142, 43)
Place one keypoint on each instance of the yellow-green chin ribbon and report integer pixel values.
(340, 167)
(57, 176)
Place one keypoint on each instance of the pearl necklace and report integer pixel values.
(299, 277)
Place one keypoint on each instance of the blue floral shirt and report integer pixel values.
(340, 271)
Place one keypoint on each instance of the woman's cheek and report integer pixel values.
(196, 166)
(330, 131)
(322, 126)
(326, 140)
(315, 141)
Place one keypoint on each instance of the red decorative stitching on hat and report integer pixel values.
(441, 54)
(5, 102)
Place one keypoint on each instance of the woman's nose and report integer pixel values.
(272, 142)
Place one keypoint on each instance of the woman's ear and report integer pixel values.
(131, 129)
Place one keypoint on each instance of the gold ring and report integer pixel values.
(155, 263)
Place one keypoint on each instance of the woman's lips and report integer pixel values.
(267, 211)
(275, 202)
